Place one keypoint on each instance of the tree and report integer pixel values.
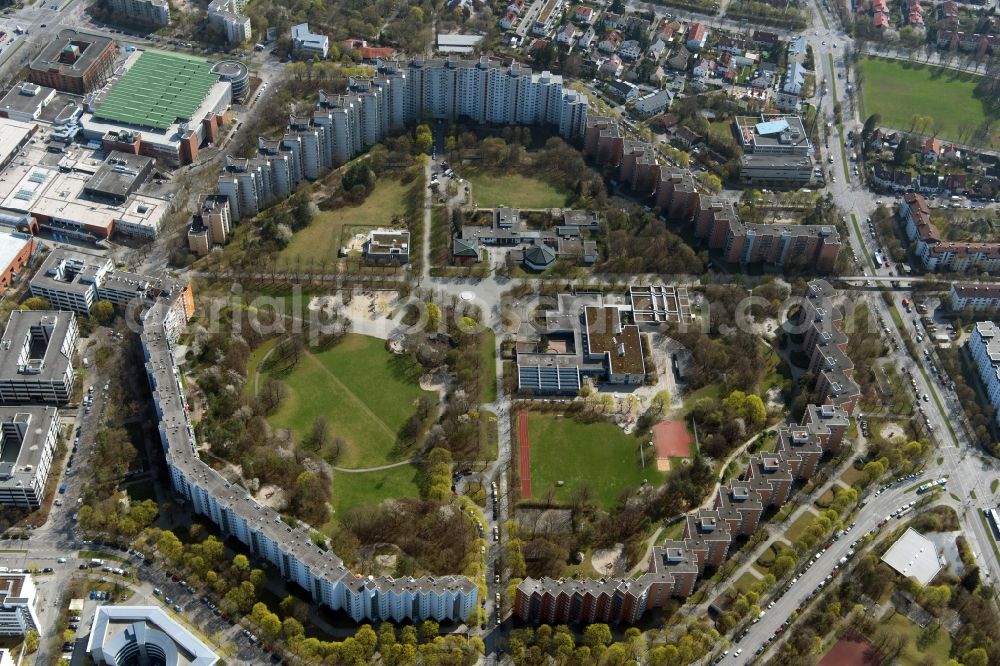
(36, 303)
(423, 139)
(30, 641)
(597, 634)
(319, 435)
(358, 174)
(103, 311)
(269, 623)
(870, 124)
(429, 630)
(291, 628)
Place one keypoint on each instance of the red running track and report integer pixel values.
(523, 454)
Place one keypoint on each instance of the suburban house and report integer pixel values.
(612, 42)
(697, 34)
(654, 103)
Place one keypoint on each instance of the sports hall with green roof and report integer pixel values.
(158, 90)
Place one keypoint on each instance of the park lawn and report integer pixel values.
(744, 582)
(488, 353)
(371, 488)
(852, 475)
(897, 90)
(913, 655)
(516, 191)
(365, 393)
(708, 391)
(599, 455)
(256, 356)
(799, 527)
(321, 240)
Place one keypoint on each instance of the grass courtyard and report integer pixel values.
(370, 488)
(321, 240)
(897, 90)
(599, 455)
(365, 393)
(516, 191)
(936, 644)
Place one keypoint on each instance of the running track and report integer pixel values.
(523, 454)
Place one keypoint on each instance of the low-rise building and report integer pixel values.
(25, 101)
(16, 250)
(775, 149)
(75, 62)
(309, 43)
(654, 103)
(36, 357)
(387, 246)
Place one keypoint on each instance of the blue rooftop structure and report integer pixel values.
(772, 127)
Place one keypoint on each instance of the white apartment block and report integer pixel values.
(227, 15)
(36, 357)
(153, 12)
(344, 125)
(17, 604)
(979, 297)
(984, 348)
(261, 529)
(308, 42)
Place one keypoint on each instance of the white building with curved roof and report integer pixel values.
(123, 635)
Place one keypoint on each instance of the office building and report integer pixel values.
(125, 635)
(387, 247)
(776, 148)
(309, 43)
(708, 534)
(27, 444)
(25, 101)
(14, 134)
(75, 62)
(17, 604)
(36, 357)
(149, 12)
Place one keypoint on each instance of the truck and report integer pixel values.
(18, 30)
(96, 562)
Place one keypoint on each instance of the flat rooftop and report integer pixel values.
(11, 245)
(914, 555)
(71, 272)
(23, 431)
(606, 335)
(13, 134)
(32, 344)
(118, 175)
(116, 627)
(158, 90)
(12, 587)
(25, 97)
(90, 48)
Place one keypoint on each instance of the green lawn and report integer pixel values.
(744, 582)
(596, 454)
(514, 190)
(897, 90)
(370, 488)
(365, 393)
(913, 654)
(487, 350)
(321, 239)
(799, 527)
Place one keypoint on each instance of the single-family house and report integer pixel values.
(656, 49)
(613, 21)
(630, 50)
(611, 42)
(733, 45)
(584, 15)
(797, 48)
(668, 30)
(932, 149)
(763, 39)
(703, 69)
(623, 91)
(696, 36)
(508, 20)
(686, 136)
(747, 59)
(788, 102)
(587, 38)
(724, 63)
(564, 35)
(679, 60)
(612, 66)
(654, 103)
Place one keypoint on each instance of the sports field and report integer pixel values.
(365, 393)
(599, 455)
(322, 238)
(158, 90)
(898, 90)
(515, 191)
